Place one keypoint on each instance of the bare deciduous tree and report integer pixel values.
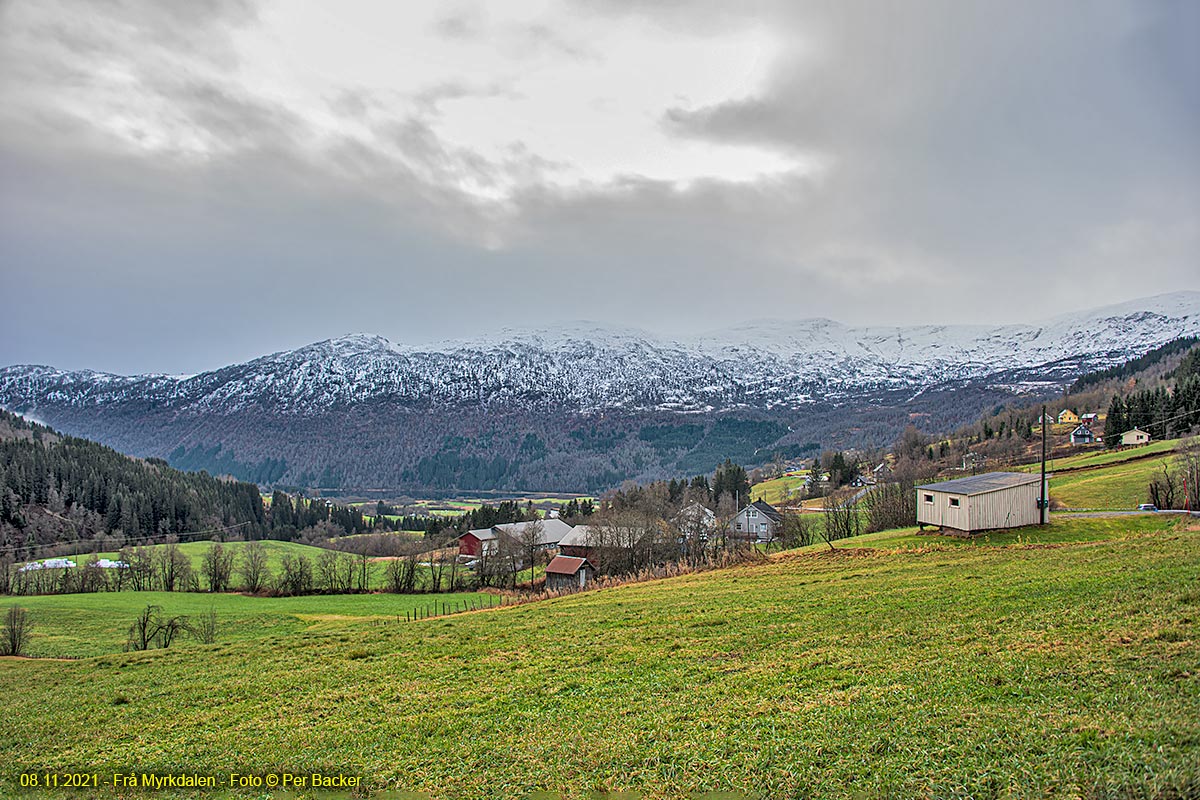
(17, 627)
(204, 628)
(529, 538)
(151, 629)
(217, 567)
(254, 570)
(1164, 488)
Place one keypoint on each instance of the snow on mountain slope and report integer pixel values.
(587, 367)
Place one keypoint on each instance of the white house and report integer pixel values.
(1135, 436)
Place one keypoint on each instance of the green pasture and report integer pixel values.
(1120, 486)
(195, 552)
(1099, 457)
(92, 624)
(1065, 667)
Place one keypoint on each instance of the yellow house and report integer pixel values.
(1068, 417)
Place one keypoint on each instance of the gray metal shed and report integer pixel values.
(985, 502)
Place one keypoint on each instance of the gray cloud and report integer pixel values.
(975, 163)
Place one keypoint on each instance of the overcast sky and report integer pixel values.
(188, 183)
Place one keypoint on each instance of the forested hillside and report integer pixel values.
(56, 488)
(1158, 392)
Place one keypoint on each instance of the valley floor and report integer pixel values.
(1063, 662)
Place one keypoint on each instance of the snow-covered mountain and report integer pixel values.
(583, 370)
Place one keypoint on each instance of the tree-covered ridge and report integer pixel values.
(1133, 366)
(56, 488)
(1163, 411)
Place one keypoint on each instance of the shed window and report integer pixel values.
(928, 498)
(954, 502)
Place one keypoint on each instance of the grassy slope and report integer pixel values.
(84, 625)
(1119, 486)
(777, 490)
(947, 671)
(1101, 457)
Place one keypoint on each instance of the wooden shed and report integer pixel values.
(984, 502)
(567, 572)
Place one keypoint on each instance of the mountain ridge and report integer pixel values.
(550, 384)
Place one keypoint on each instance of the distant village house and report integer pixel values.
(1135, 436)
(1082, 435)
(1068, 417)
(759, 520)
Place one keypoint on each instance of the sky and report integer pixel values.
(190, 183)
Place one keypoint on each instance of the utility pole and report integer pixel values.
(1042, 502)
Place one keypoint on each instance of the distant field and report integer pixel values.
(778, 490)
(195, 552)
(1093, 458)
(275, 552)
(1062, 664)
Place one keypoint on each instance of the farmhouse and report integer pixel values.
(1135, 436)
(1068, 417)
(696, 521)
(1089, 419)
(981, 502)
(758, 520)
(1082, 435)
(486, 541)
(1044, 419)
(580, 542)
(567, 572)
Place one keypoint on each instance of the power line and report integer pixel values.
(128, 541)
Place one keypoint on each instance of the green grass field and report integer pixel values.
(777, 490)
(1094, 458)
(195, 552)
(1120, 486)
(1064, 663)
(275, 552)
(84, 625)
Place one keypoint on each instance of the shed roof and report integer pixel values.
(553, 529)
(565, 565)
(981, 484)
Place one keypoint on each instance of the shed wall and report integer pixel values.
(1012, 507)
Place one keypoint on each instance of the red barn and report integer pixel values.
(479, 542)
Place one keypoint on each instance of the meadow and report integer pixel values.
(1061, 661)
(92, 624)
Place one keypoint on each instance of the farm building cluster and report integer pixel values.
(576, 554)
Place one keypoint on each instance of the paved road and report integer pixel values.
(1120, 513)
